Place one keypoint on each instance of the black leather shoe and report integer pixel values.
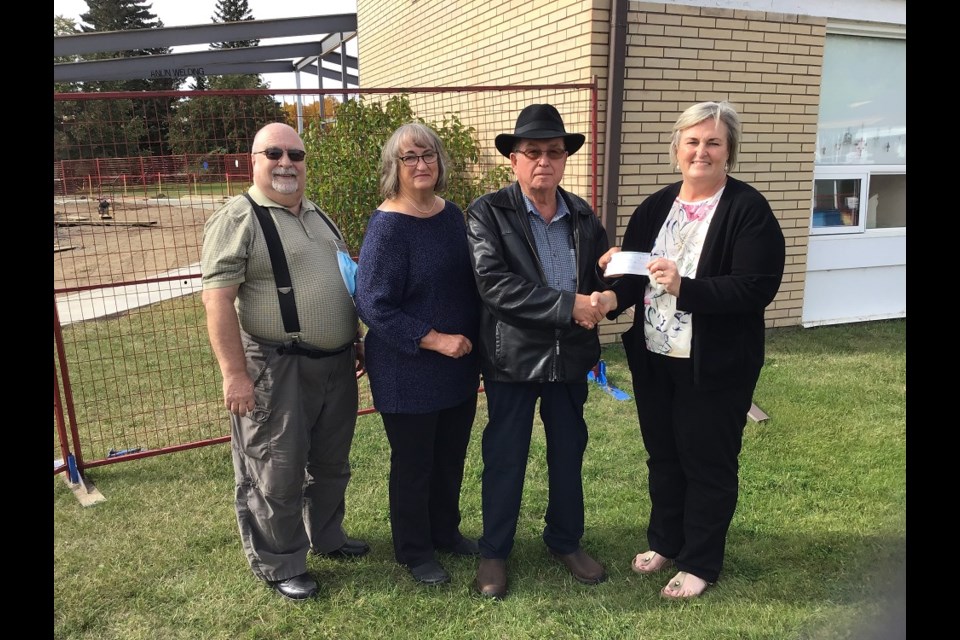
(298, 587)
(352, 548)
(465, 547)
(491, 580)
(584, 568)
(430, 573)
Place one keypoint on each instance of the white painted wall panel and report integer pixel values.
(855, 278)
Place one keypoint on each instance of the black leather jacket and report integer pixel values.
(527, 332)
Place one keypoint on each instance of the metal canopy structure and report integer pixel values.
(329, 35)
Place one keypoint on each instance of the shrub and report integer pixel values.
(344, 154)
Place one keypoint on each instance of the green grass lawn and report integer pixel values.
(815, 550)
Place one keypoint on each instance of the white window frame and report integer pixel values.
(838, 172)
(862, 171)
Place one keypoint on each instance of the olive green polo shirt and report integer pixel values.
(235, 253)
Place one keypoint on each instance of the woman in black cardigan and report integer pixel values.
(697, 342)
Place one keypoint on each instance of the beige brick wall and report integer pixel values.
(469, 42)
(435, 43)
(767, 64)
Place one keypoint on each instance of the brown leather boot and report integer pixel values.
(492, 578)
(584, 568)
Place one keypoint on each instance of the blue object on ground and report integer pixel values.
(600, 377)
(72, 469)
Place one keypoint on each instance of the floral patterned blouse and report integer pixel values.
(666, 329)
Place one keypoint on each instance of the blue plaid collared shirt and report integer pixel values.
(555, 245)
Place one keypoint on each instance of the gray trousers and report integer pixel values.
(291, 457)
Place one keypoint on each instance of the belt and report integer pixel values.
(297, 349)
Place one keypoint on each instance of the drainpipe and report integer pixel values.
(614, 117)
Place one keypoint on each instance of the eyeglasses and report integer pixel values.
(275, 153)
(411, 160)
(536, 154)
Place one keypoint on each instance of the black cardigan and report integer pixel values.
(738, 275)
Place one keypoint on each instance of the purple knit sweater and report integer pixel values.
(415, 274)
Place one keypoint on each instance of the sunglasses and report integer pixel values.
(535, 154)
(275, 153)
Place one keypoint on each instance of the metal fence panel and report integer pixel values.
(134, 374)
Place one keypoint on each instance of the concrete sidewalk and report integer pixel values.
(108, 301)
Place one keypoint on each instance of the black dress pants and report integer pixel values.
(693, 438)
(427, 453)
(506, 444)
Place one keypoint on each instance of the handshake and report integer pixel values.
(589, 310)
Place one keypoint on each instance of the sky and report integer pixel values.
(175, 13)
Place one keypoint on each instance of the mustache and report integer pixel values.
(285, 172)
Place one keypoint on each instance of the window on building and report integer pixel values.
(861, 156)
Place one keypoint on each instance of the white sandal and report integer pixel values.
(677, 583)
(650, 562)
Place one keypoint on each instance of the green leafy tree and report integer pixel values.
(217, 124)
(91, 129)
(344, 155)
(64, 113)
(212, 125)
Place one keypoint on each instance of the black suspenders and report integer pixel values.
(281, 272)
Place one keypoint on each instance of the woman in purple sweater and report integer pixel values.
(417, 296)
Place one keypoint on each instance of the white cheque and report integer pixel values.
(628, 262)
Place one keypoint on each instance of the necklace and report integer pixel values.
(433, 203)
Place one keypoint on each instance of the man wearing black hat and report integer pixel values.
(535, 248)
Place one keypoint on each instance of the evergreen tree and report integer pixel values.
(233, 11)
(230, 11)
(220, 124)
(124, 15)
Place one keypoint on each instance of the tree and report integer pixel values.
(219, 124)
(211, 125)
(311, 110)
(123, 15)
(64, 27)
(91, 129)
(233, 11)
(343, 159)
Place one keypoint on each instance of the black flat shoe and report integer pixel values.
(352, 548)
(298, 587)
(430, 573)
(465, 547)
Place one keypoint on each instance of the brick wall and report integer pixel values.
(767, 64)
(486, 42)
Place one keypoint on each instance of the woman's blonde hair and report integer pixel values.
(719, 111)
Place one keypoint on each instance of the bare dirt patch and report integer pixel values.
(141, 238)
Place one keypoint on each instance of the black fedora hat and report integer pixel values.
(539, 122)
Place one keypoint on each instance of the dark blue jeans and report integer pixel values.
(506, 444)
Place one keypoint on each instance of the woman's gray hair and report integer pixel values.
(413, 133)
(719, 111)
